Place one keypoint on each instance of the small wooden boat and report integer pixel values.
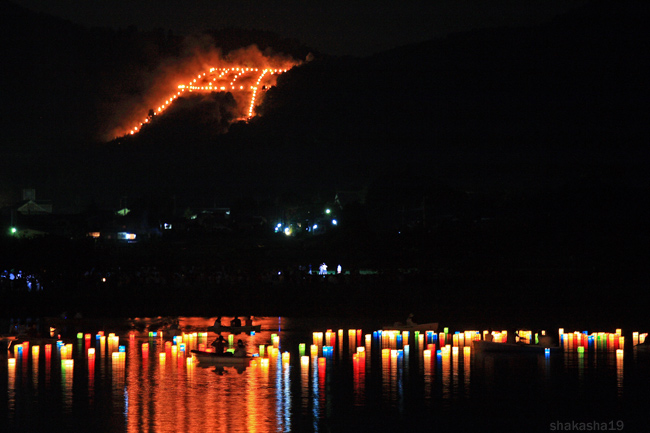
(491, 346)
(235, 329)
(219, 359)
(6, 341)
(422, 327)
(643, 347)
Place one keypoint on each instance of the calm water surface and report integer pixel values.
(139, 392)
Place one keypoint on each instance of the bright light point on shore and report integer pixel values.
(279, 225)
(315, 226)
(287, 231)
(334, 222)
(328, 211)
(14, 230)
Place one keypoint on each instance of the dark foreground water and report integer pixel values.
(460, 392)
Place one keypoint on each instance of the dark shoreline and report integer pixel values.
(461, 302)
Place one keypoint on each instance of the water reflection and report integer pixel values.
(144, 382)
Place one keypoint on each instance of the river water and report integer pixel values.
(162, 389)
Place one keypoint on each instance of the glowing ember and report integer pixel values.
(251, 84)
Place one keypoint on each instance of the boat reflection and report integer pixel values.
(145, 382)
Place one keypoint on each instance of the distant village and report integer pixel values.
(34, 217)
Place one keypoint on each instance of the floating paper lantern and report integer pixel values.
(91, 352)
(304, 361)
(80, 335)
(11, 362)
(301, 349)
(286, 357)
(313, 350)
(162, 356)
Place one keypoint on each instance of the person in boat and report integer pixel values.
(235, 322)
(248, 321)
(217, 322)
(219, 345)
(240, 350)
(513, 337)
(410, 321)
(489, 337)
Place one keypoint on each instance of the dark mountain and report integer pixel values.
(503, 111)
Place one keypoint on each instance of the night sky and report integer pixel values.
(332, 26)
(498, 97)
(497, 135)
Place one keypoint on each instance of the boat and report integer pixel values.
(492, 346)
(422, 327)
(642, 347)
(235, 329)
(219, 359)
(6, 341)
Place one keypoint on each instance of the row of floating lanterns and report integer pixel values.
(597, 341)
(394, 343)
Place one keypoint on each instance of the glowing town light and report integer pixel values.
(328, 211)
(334, 222)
